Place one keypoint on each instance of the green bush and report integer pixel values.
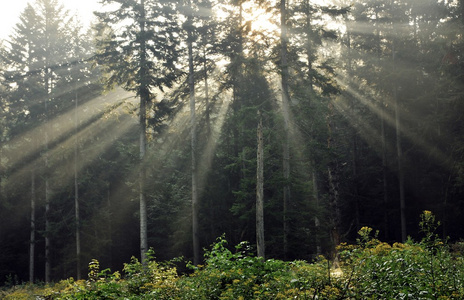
(370, 269)
(424, 270)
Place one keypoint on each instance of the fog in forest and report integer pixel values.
(167, 124)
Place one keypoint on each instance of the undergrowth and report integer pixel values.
(369, 269)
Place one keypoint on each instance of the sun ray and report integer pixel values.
(23, 147)
(426, 146)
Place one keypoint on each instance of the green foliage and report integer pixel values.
(236, 275)
(371, 269)
(399, 271)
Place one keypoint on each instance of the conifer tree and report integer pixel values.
(140, 56)
(36, 57)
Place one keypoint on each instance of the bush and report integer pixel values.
(371, 269)
(425, 270)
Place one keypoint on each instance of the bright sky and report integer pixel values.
(11, 9)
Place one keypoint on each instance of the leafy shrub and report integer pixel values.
(371, 269)
(425, 270)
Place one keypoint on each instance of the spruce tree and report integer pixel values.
(140, 55)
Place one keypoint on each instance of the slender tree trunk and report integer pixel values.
(354, 139)
(354, 159)
(110, 224)
(76, 192)
(333, 180)
(309, 57)
(260, 243)
(47, 225)
(143, 203)
(207, 116)
(144, 98)
(195, 233)
(317, 222)
(399, 153)
(399, 149)
(384, 172)
(285, 111)
(383, 138)
(47, 183)
(309, 50)
(32, 237)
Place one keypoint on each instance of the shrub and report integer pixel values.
(371, 269)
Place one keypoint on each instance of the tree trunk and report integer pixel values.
(144, 98)
(47, 183)
(195, 233)
(354, 135)
(399, 149)
(384, 172)
(76, 192)
(207, 116)
(333, 180)
(285, 112)
(47, 226)
(32, 237)
(383, 138)
(399, 153)
(317, 223)
(260, 244)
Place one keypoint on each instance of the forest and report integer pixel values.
(165, 125)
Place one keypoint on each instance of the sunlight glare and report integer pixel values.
(9, 16)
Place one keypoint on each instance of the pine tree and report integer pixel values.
(140, 56)
(36, 56)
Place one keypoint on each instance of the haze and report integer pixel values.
(9, 17)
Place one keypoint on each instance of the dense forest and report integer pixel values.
(166, 124)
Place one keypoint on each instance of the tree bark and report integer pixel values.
(260, 244)
(76, 191)
(47, 183)
(333, 180)
(144, 98)
(285, 112)
(32, 236)
(399, 153)
(191, 80)
(399, 149)
(317, 223)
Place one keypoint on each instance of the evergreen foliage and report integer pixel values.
(363, 80)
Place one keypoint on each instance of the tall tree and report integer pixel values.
(260, 244)
(193, 136)
(38, 51)
(286, 116)
(140, 56)
(21, 57)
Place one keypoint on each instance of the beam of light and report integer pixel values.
(206, 158)
(386, 30)
(432, 150)
(30, 143)
(298, 140)
(368, 132)
(108, 128)
(204, 161)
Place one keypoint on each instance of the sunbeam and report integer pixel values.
(427, 147)
(29, 144)
(95, 123)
